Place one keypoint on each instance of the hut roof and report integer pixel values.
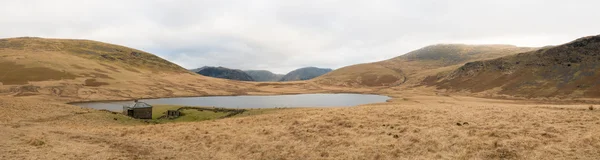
(141, 105)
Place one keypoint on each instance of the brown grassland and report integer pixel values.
(410, 126)
(419, 122)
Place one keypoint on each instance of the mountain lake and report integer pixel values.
(247, 102)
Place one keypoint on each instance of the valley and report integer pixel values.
(447, 102)
(300, 74)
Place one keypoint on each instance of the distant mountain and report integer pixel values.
(222, 72)
(263, 75)
(305, 74)
(198, 69)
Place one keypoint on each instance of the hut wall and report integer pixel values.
(142, 113)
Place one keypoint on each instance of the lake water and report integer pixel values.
(277, 101)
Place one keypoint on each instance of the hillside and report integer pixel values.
(264, 75)
(305, 74)
(569, 70)
(414, 66)
(225, 73)
(91, 70)
(35, 122)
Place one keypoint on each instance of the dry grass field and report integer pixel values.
(420, 126)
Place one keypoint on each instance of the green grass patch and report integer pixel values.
(159, 110)
(192, 115)
(187, 115)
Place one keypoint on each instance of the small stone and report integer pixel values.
(459, 124)
(465, 123)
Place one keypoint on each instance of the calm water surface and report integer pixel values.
(300, 100)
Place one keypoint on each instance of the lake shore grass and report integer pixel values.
(188, 114)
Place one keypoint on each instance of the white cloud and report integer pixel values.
(281, 35)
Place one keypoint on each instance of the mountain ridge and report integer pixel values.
(264, 75)
(223, 72)
(410, 67)
(569, 70)
(305, 73)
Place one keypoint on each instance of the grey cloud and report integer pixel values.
(281, 35)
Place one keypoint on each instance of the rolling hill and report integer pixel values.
(414, 66)
(264, 75)
(306, 73)
(568, 70)
(91, 70)
(225, 73)
(413, 124)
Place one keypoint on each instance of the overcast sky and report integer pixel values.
(281, 35)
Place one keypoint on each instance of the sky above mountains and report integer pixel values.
(282, 35)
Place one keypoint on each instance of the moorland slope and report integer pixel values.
(414, 66)
(568, 70)
(91, 70)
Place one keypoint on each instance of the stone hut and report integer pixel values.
(138, 110)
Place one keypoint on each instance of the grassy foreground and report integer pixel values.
(407, 127)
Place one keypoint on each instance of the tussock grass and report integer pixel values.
(36, 142)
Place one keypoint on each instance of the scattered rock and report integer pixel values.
(106, 56)
(459, 124)
(136, 54)
(396, 136)
(115, 119)
(591, 108)
(465, 123)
